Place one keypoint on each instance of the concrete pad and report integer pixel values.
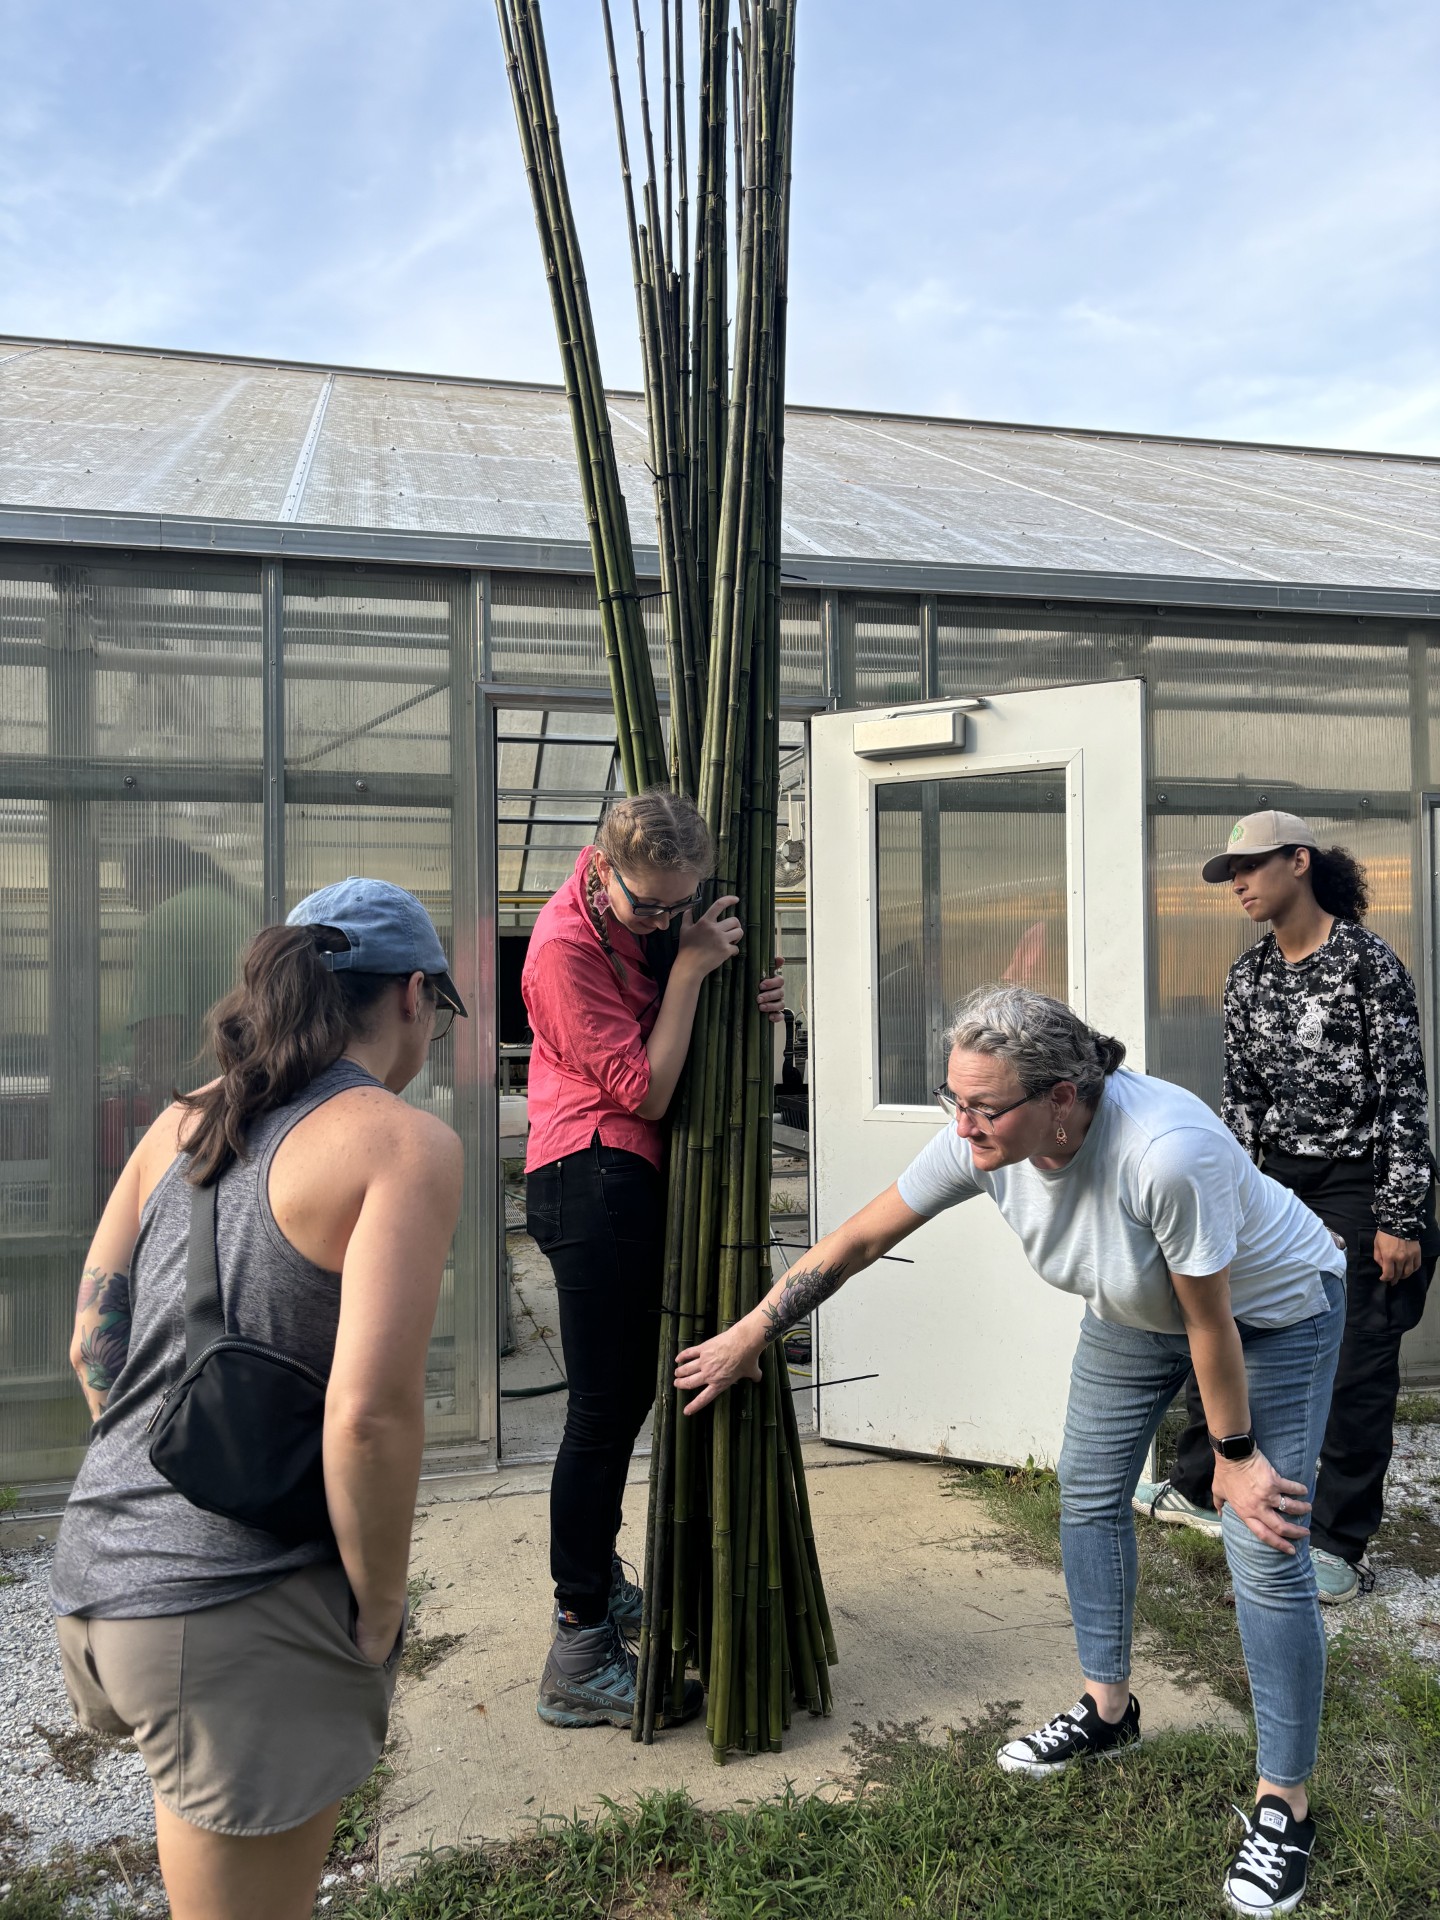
(931, 1620)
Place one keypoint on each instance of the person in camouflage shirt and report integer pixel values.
(1325, 1089)
(1323, 1060)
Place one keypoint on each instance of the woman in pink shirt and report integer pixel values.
(610, 1043)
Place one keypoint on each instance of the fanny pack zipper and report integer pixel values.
(236, 1344)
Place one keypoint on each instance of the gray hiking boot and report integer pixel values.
(627, 1601)
(589, 1680)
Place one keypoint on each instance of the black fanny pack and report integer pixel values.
(241, 1431)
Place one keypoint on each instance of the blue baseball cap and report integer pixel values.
(388, 930)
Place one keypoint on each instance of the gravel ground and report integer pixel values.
(61, 1788)
(1406, 1551)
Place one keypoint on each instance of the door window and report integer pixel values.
(970, 888)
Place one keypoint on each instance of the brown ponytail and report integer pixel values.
(287, 1021)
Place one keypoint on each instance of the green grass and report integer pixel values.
(933, 1828)
(1418, 1410)
(9, 1499)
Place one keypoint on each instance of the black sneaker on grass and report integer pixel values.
(1079, 1734)
(1268, 1873)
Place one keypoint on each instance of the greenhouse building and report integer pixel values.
(263, 625)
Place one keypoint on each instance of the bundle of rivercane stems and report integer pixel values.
(731, 1574)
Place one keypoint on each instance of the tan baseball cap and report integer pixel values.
(1259, 833)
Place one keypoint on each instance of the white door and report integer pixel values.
(952, 844)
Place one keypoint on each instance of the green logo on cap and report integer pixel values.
(1237, 832)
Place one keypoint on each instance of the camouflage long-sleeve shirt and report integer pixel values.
(1324, 1058)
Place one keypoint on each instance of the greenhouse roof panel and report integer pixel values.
(90, 429)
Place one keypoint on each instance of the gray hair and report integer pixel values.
(1043, 1040)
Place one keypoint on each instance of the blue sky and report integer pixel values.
(1221, 219)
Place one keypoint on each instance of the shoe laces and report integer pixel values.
(1057, 1731)
(620, 1669)
(1260, 1858)
(622, 1586)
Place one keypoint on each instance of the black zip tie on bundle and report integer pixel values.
(803, 1246)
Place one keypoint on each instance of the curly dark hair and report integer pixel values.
(1338, 882)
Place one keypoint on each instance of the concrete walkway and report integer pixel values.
(931, 1621)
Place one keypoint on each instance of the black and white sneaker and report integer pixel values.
(1268, 1873)
(1079, 1734)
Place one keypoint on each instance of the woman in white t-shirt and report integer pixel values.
(1130, 1192)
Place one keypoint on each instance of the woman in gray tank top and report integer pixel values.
(254, 1675)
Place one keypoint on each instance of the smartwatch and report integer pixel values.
(1234, 1446)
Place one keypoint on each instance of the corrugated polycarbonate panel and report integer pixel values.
(887, 650)
(1314, 717)
(441, 457)
(133, 433)
(411, 848)
(802, 647)
(999, 649)
(122, 924)
(545, 631)
(129, 880)
(367, 672)
(557, 770)
(29, 612)
(177, 659)
(103, 431)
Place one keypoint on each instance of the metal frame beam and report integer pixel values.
(45, 526)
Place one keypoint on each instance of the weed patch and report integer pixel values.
(75, 1751)
(1410, 1537)
(112, 1873)
(423, 1650)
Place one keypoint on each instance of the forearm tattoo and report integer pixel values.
(103, 1314)
(805, 1290)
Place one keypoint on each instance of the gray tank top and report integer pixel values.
(130, 1545)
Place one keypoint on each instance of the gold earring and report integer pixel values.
(1062, 1138)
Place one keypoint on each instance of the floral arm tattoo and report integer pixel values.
(102, 1322)
(805, 1290)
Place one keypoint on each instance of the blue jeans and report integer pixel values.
(1122, 1381)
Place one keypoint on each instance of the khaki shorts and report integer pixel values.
(251, 1716)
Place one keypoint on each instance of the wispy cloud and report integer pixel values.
(1224, 222)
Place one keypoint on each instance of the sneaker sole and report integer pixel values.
(1287, 1905)
(1168, 1519)
(1336, 1600)
(1043, 1769)
(569, 1717)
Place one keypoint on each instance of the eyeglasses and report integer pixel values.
(989, 1115)
(653, 909)
(444, 1020)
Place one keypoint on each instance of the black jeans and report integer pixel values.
(1359, 1435)
(598, 1216)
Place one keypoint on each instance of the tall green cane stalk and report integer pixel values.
(732, 1580)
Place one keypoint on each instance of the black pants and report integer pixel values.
(1359, 1435)
(598, 1216)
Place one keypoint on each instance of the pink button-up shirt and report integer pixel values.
(588, 1068)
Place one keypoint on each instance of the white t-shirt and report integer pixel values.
(1159, 1186)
